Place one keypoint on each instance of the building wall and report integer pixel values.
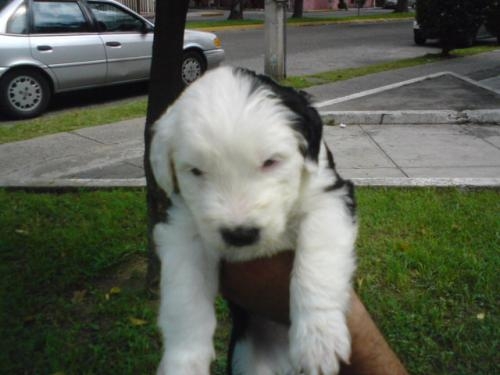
(147, 6)
(308, 4)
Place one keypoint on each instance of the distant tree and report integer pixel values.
(401, 6)
(493, 19)
(236, 9)
(455, 22)
(298, 9)
(360, 4)
(165, 85)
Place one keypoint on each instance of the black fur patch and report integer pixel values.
(239, 330)
(309, 123)
(350, 199)
(340, 183)
(329, 156)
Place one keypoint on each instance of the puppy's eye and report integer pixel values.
(269, 163)
(196, 172)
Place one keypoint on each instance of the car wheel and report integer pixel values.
(193, 66)
(419, 38)
(24, 93)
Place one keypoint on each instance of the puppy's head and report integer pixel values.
(236, 147)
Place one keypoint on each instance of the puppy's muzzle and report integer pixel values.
(240, 236)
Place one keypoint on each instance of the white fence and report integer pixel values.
(140, 6)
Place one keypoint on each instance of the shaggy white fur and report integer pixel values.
(248, 176)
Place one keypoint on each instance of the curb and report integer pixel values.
(417, 117)
(298, 24)
(68, 184)
(396, 85)
(492, 182)
(481, 116)
(73, 183)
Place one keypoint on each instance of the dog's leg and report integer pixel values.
(258, 346)
(189, 282)
(320, 286)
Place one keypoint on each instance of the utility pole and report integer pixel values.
(275, 38)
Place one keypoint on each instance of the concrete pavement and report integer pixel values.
(437, 124)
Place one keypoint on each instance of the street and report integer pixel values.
(310, 49)
(315, 49)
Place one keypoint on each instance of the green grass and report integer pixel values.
(303, 21)
(362, 17)
(58, 253)
(429, 266)
(211, 24)
(72, 298)
(305, 81)
(71, 120)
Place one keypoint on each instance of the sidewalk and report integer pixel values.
(437, 124)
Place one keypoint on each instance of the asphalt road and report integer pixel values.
(315, 49)
(310, 49)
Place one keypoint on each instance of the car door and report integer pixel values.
(62, 38)
(128, 40)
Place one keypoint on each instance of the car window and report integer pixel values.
(114, 19)
(18, 22)
(58, 17)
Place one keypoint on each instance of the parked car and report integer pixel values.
(53, 46)
(421, 35)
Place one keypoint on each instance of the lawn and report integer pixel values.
(72, 297)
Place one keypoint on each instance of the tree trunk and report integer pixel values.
(236, 12)
(402, 6)
(298, 9)
(164, 87)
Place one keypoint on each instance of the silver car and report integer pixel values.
(53, 46)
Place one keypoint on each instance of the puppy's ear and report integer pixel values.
(308, 124)
(160, 154)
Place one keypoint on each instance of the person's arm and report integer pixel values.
(262, 286)
(370, 352)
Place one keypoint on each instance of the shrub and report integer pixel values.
(493, 19)
(454, 22)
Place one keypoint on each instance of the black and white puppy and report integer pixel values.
(243, 162)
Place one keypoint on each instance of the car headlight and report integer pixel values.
(217, 43)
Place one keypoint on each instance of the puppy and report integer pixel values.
(248, 175)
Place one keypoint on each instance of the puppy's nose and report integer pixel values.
(240, 236)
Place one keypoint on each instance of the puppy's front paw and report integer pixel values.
(187, 363)
(318, 341)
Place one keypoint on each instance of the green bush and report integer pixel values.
(493, 19)
(454, 22)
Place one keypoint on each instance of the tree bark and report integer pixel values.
(298, 9)
(402, 6)
(164, 87)
(236, 12)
